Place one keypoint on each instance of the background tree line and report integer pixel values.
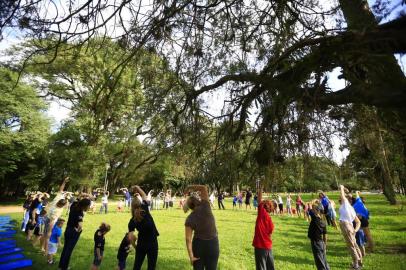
(137, 92)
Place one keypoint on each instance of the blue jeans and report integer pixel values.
(104, 205)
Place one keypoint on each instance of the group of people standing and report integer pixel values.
(201, 235)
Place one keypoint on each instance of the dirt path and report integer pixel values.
(10, 209)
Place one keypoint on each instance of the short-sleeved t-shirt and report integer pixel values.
(39, 208)
(360, 208)
(202, 222)
(75, 216)
(263, 229)
(105, 199)
(147, 231)
(99, 240)
(347, 212)
(56, 232)
(53, 211)
(127, 195)
(325, 202)
(124, 249)
(248, 197)
(33, 207)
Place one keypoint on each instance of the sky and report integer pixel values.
(59, 110)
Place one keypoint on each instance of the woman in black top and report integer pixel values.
(147, 243)
(317, 234)
(73, 230)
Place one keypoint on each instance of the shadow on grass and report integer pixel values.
(295, 260)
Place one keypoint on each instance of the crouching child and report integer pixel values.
(123, 250)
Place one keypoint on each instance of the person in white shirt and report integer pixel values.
(347, 217)
(105, 202)
(211, 199)
(289, 205)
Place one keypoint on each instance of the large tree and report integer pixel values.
(24, 131)
(272, 59)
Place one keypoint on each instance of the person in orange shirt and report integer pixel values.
(262, 238)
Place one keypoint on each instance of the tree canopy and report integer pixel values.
(156, 63)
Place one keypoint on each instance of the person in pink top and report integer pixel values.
(262, 238)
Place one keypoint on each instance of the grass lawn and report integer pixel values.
(291, 247)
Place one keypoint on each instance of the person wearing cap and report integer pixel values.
(317, 233)
(262, 238)
(202, 242)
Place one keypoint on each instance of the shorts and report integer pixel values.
(121, 264)
(52, 248)
(96, 260)
(39, 229)
(248, 202)
(360, 238)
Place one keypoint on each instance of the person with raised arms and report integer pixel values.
(363, 212)
(347, 217)
(201, 238)
(317, 233)
(142, 221)
(55, 209)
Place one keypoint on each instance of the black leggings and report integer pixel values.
(71, 238)
(221, 205)
(151, 251)
(208, 253)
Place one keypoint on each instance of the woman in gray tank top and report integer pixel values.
(204, 248)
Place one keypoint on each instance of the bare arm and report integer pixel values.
(342, 193)
(259, 191)
(62, 186)
(204, 194)
(133, 239)
(357, 224)
(188, 238)
(79, 227)
(85, 196)
(140, 191)
(357, 193)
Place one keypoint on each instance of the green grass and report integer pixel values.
(291, 247)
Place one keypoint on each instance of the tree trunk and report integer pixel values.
(387, 181)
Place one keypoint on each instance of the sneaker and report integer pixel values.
(51, 262)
